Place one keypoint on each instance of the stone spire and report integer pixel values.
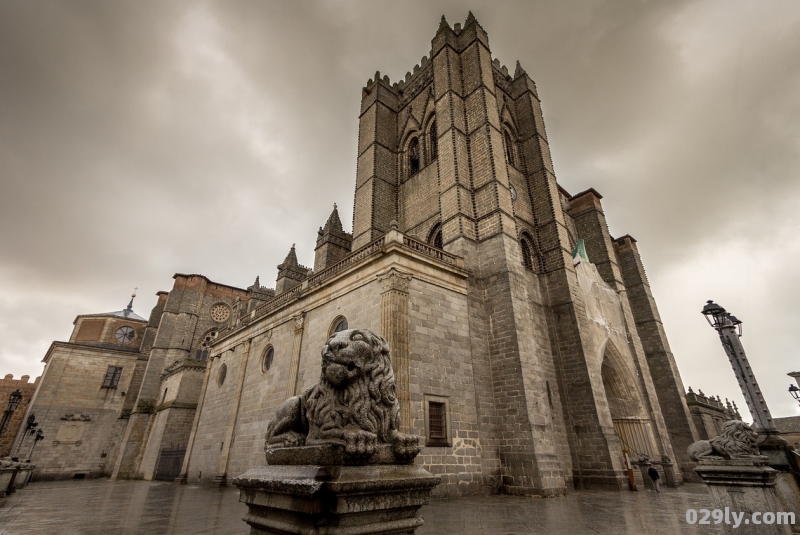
(290, 272)
(333, 243)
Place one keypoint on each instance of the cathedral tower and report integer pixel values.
(457, 154)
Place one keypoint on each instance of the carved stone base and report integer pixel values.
(746, 486)
(336, 500)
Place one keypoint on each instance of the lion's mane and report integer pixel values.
(736, 439)
(370, 402)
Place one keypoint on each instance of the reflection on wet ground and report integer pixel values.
(101, 506)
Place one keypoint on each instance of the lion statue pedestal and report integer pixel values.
(739, 478)
(336, 460)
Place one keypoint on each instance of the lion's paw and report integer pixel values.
(290, 439)
(360, 442)
(405, 446)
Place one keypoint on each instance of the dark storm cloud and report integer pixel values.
(139, 139)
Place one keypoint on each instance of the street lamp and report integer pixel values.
(13, 402)
(30, 428)
(729, 328)
(795, 392)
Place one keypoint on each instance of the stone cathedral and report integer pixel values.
(528, 348)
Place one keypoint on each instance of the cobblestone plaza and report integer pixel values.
(100, 506)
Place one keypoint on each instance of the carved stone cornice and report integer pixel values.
(394, 280)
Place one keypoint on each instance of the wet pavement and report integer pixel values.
(101, 506)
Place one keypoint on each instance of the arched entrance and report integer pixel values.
(631, 421)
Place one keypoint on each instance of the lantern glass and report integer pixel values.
(14, 401)
(715, 314)
(795, 392)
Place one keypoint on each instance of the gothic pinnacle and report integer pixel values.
(519, 71)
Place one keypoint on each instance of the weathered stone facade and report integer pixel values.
(526, 343)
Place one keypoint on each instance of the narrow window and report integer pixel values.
(266, 360)
(509, 149)
(413, 157)
(433, 140)
(221, 374)
(111, 379)
(437, 423)
(526, 254)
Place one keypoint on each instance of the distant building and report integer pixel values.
(527, 346)
(87, 389)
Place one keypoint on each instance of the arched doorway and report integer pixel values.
(628, 413)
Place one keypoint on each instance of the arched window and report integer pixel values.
(435, 236)
(526, 244)
(433, 140)
(338, 324)
(413, 156)
(510, 157)
(208, 339)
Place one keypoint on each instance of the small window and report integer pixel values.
(111, 379)
(221, 374)
(339, 324)
(266, 359)
(437, 423)
(413, 157)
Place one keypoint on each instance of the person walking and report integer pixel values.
(653, 473)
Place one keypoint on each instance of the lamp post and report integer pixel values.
(795, 392)
(37, 437)
(13, 402)
(32, 424)
(729, 328)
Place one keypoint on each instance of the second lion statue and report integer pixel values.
(354, 404)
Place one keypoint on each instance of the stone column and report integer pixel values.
(291, 385)
(744, 485)
(222, 471)
(394, 326)
(669, 475)
(644, 466)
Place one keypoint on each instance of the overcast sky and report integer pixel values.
(140, 139)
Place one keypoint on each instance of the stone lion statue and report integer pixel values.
(736, 440)
(354, 404)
